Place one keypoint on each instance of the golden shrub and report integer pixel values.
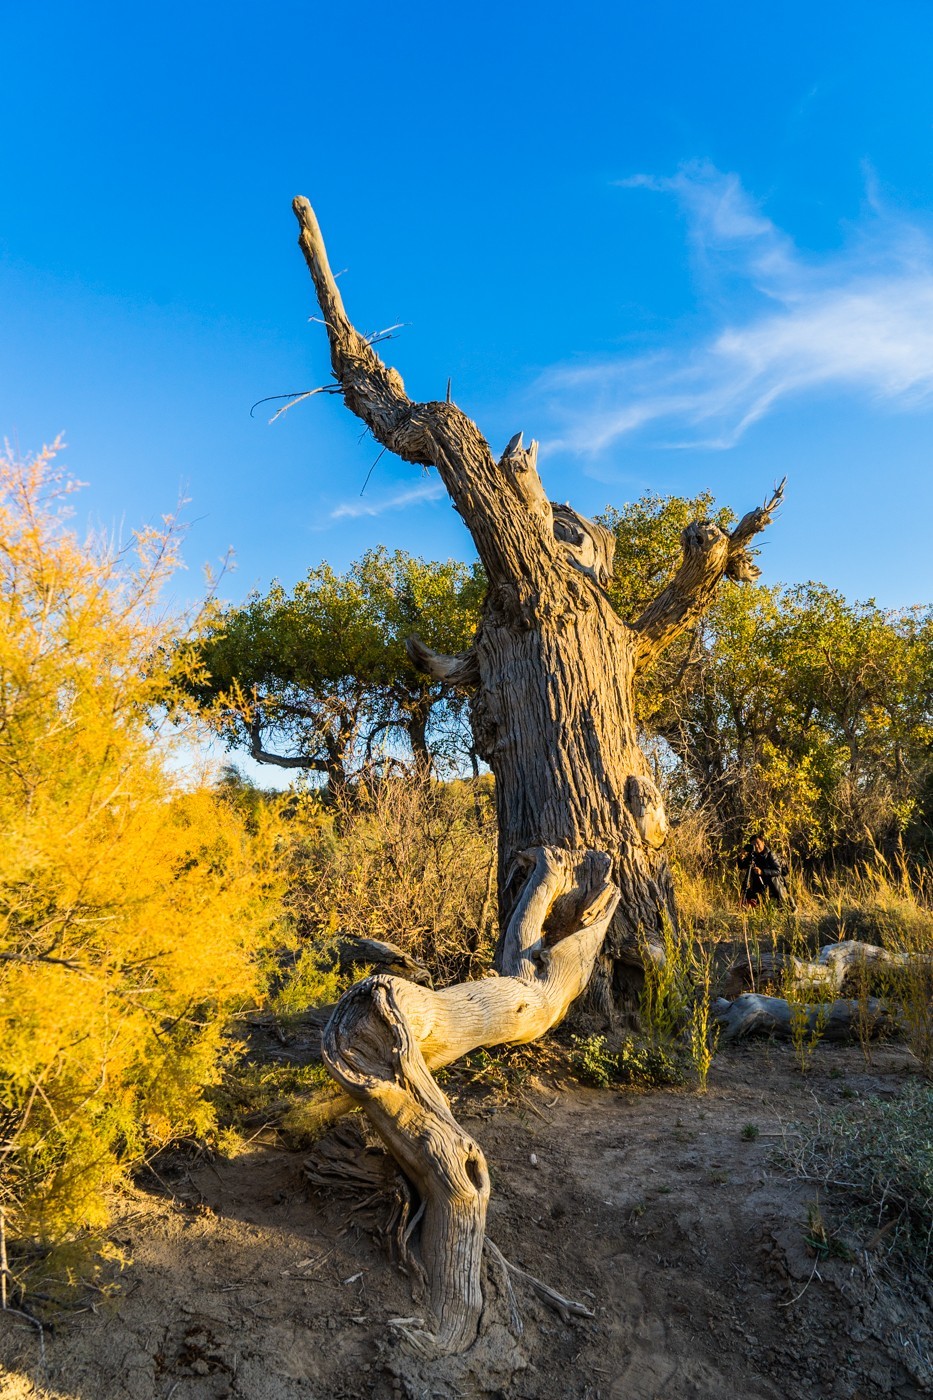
(132, 906)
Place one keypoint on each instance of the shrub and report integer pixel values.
(592, 1062)
(649, 1064)
(879, 1156)
(404, 859)
(130, 905)
(638, 1064)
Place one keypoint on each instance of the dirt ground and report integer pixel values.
(653, 1208)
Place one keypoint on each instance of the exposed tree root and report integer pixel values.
(386, 1035)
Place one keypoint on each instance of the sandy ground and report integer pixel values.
(681, 1234)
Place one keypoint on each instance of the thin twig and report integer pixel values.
(295, 397)
(813, 1274)
(371, 470)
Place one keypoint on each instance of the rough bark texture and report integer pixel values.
(582, 871)
(552, 668)
(387, 1034)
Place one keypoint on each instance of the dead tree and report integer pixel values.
(552, 667)
(583, 881)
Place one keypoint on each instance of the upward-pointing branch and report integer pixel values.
(499, 501)
(709, 555)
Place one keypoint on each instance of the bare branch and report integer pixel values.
(261, 755)
(503, 504)
(709, 555)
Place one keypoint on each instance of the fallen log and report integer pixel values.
(845, 1019)
(837, 966)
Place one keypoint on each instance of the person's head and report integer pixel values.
(758, 843)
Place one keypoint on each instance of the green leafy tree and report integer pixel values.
(316, 678)
(801, 712)
(791, 709)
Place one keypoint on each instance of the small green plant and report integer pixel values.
(592, 1062)
(702, 1032)
(666, 997)
(825, 1243)
(807, 1024)
(915, 988)
(639, 1063)
(643, 1064)
(809, 1012)
(751, 1132)
(867, 1012)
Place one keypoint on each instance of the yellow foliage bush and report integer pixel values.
(132, 906)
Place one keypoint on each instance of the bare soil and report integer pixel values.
(682, 1234)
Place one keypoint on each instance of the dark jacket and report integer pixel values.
(760, 869)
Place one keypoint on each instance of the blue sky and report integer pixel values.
(685, 246)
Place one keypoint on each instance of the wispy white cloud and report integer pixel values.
(378, 505)
(859, 321)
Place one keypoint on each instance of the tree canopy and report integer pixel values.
(319, 678)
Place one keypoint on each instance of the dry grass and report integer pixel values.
(409, 861)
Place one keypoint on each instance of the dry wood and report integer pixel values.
(846, 966)
(583, 881)
(752, 1014)
(836, 966)
(552, 668)
(386, 1035)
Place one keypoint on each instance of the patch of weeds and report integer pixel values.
(823, 1242)
(304, 980)
(751, 1132)
(879, 1159)
(644, 1064)
(638, 1064)
(593, 1063)
(506, 1070)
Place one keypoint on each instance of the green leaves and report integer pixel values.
(321, 674)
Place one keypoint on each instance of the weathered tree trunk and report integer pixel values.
(552, 667)
(552, 672)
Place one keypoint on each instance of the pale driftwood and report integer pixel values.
(386, 1035)
(837, 966)
(552, 668)
(842, 1020)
